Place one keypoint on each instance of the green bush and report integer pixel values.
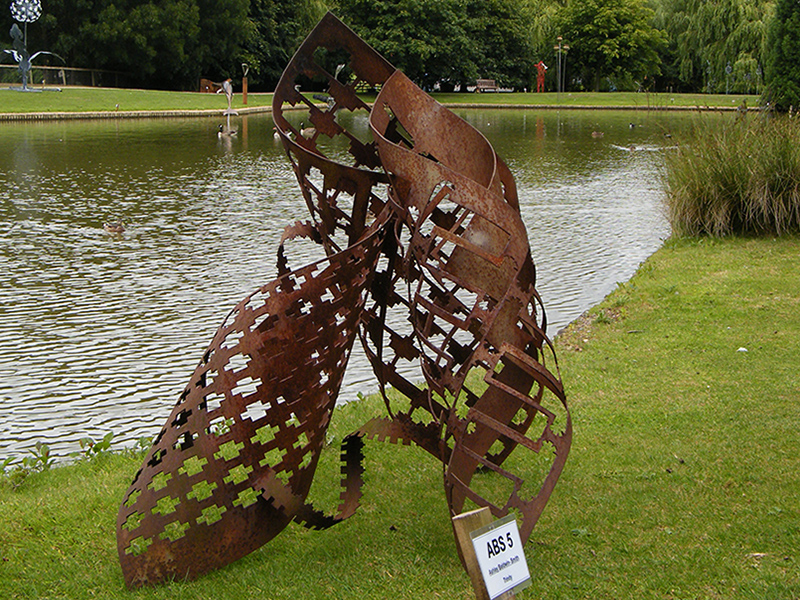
(741, 179)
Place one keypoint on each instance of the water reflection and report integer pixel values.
(100, 332)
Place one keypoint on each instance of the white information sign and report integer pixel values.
(498, 548)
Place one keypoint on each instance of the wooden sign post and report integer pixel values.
(246, 69)
(491, 552)
(463, 524)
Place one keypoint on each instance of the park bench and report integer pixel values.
(486, 85)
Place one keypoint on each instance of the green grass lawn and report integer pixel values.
(683, 480)
(106, 99)
(603, 99)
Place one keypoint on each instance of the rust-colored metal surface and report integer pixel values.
(425, 258)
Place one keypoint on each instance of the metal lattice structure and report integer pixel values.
(422, 228)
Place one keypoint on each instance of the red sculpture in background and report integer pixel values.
(541, 69)
(425, 258)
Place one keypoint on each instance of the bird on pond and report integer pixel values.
(222, 132)
(115, 228)
(307, 132)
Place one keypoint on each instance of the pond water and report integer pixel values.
(100, 332)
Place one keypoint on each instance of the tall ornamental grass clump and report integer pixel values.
(743, 178)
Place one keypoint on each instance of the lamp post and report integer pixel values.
(561, 48)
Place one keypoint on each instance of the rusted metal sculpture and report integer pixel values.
(422, 228)
(541, 71)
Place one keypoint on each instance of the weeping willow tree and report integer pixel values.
(716, 46)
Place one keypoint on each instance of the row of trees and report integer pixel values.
(172, 43)
(448, 42)
(682, 45)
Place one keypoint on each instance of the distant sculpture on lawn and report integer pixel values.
(424, 257)
(227, 88)
(24, 11)
(541, 70)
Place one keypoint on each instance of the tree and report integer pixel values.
(278, 29)
(611, 38)
(445, 42)
(783, 62)
(499, 28)
(225, 27)
(154, 43)
(716, 45)
(426, 39)
(158, 43)
(543, 28)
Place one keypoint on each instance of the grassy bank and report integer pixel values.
(605, 100)
(107, 99)
(682, 481)
(120, 100)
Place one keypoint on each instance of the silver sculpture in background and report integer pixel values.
(25, 11)
(227, 88)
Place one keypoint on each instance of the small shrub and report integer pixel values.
(741, 179)
(142, 445)
(92, 448)
(603, 318)
(40, 460)
(17, 476)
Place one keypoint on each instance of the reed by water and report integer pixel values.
(740, 178)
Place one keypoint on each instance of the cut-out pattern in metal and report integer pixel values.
(422, 228)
